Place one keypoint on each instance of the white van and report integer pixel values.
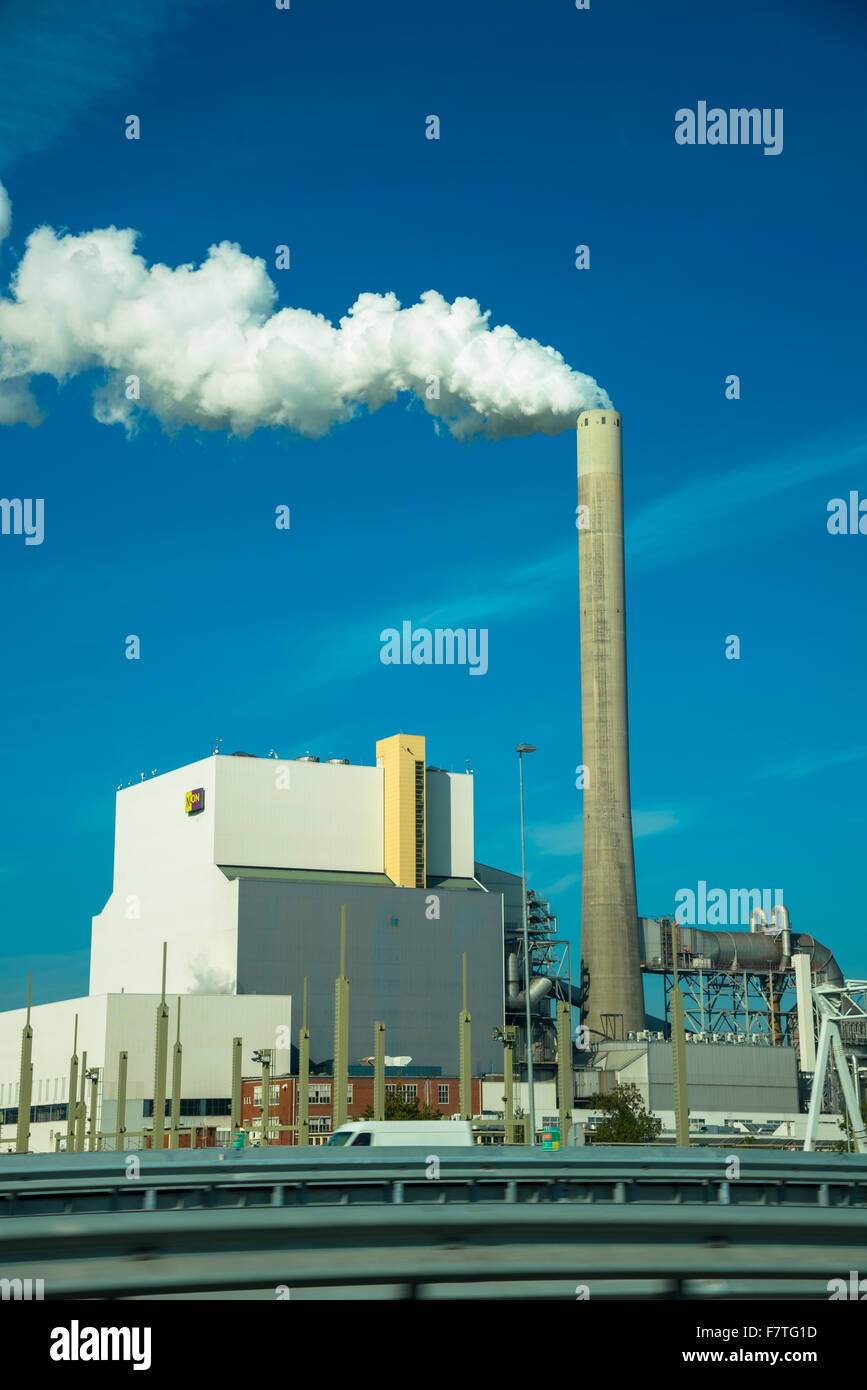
(403, 1133)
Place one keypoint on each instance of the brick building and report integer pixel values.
(423, 1084)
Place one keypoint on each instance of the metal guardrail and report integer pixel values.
(595, 1159)
(82, 1184)
(529, 1223)
(86, 1184)
(178, 1253)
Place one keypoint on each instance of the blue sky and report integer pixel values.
(306, 128)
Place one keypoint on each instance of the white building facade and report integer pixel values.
(109, 1024)
(173, 861)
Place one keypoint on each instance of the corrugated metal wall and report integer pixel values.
(748, 1078)
(404, 967)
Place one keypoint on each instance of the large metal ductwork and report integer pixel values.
(540, 985)
(822, 962)
(611, 970)
(755, 950)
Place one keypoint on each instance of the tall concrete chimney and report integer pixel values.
(609, 915)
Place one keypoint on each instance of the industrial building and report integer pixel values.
(246, 882)
(426, 1085)
(752, 987)
(98, 1028)
(245, 867)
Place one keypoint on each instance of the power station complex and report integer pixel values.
(243, 867)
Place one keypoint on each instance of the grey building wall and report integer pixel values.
(403, 967)
(736, 1078)
(747, 1077)
(500, 881)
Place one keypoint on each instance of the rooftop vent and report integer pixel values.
(308, 758)
(336, 762)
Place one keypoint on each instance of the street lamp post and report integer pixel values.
(521, 749)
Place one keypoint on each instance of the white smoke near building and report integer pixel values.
(205, 346)
(205, 977)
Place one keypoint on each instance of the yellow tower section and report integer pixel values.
(402, 759)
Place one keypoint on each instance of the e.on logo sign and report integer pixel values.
(194, 801)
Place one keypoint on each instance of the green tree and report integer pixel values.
(848, 1145)
(398, 1108)
(626, 1120)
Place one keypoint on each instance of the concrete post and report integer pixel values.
(678, 1064)
(265, 1054)
(341, 1032)
(806, 1023)
(465, 1050)
(161, 1048)
(509, 1037)
(237, 1063)
(81, 1109)
(73, 1092)
(678, 1051)
(565, 1083)
(120, 1118)
(25, 1080)
(177, 1058)
(379, 1071)
(303, 1135)
(93, 1138)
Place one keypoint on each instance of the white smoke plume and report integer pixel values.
(208, 348)
(5, 213)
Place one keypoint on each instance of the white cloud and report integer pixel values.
(562, 839)
(567, 881)
(17, 404)
(209, 348)
(806, 767)
(753, 500)
(60, 59)
(646, 823)
(557, 839)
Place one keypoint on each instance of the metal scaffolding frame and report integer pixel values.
(843, 1035)
(747, 1003)
(551, 956)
